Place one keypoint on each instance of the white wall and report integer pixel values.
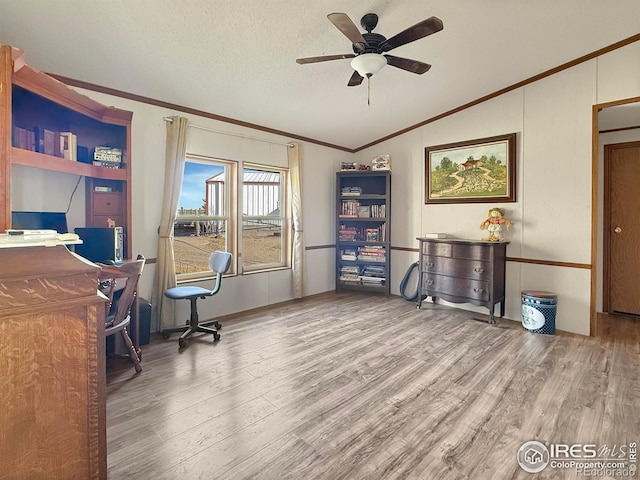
(33, 188)
(552, 216)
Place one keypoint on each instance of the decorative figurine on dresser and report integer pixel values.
(494, 224)
(463, 271)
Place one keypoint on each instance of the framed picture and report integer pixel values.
(475, 171)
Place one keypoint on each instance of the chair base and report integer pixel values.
(188, 330)
(193, 326)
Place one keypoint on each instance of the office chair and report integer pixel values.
(120, 284)
(219, 263)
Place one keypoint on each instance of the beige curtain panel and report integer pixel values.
(297, 261)
(165, 278)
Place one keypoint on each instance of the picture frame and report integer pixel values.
(473, 171)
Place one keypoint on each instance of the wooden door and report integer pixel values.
(622, 228)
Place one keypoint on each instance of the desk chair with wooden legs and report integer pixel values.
(122, 280)
(219, 263)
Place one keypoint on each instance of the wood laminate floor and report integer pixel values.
(367, 387)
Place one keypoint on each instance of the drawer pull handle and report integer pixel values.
(431, 264)
(479, 269)
(478, 290)
(429, 282)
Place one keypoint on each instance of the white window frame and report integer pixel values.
(285, 219)
(230, 216)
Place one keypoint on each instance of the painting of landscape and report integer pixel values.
(474, 171)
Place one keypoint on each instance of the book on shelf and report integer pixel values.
(373, 234)
(364, 211)
(349, 208)
(378, 211)
(69, 146)
(371, 280)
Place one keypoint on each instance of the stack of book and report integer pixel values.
(350, 191)
(373, 275)
(350, 273)
(372, 253)
(347, 234)
(348, 254)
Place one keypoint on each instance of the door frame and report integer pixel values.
(595, 161)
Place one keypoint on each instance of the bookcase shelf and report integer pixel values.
(363, 221)
(57, 164)
(39, 104)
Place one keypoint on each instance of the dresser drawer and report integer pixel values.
(437, 249)
(462, 288)
(476, 252)
(456, 267)
(107, 203)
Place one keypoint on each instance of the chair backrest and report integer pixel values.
(122, 278)
(219, 263)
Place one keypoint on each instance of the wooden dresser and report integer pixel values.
(463, 271)
(52, 370)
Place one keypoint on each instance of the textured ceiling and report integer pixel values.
(236, 58)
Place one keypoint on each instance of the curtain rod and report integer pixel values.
(290, 145)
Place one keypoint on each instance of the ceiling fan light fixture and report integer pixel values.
(368, 64)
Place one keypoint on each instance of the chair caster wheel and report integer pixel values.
(216, 337)
(217, 325)
(182, 342)
(166, 335)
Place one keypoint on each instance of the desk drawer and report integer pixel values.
(107, 203)
(456, 267)
(465, 288)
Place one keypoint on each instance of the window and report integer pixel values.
(265, 232)
(204, 221)
(208, 217)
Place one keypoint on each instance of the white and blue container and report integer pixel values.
(539, 311)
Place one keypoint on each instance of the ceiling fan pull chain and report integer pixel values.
(368, 91)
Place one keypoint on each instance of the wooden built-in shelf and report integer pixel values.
(48, 162)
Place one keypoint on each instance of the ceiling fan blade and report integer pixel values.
(418, 31)
(355, 80)
(348, 28)
(324, 58)
(413, 66)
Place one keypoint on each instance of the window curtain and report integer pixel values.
(163, 307)
(294, 155)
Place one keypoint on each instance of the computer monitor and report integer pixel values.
(39, 221)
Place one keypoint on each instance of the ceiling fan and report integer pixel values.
(370, 48)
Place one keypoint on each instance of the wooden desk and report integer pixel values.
(463, 271)
(52, 367)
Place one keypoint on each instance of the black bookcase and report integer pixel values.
(363, 231)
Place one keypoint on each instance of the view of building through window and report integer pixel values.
(262, 220)
(205, 223)
(200, 229)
